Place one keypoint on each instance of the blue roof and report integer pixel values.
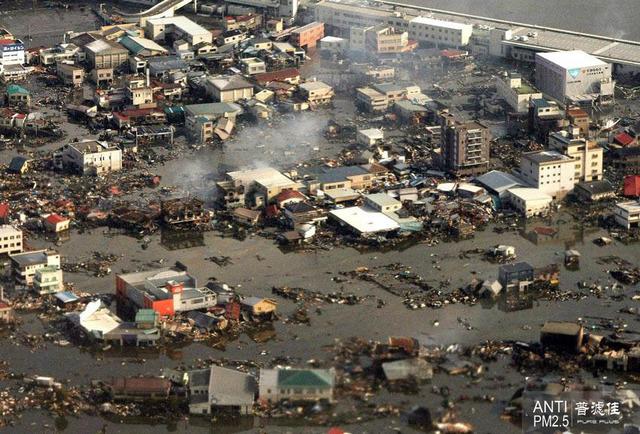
(66, 297)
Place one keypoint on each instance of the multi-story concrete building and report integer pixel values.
(371, 100)
(465, 146)
(24, 265)
(387, 40)
(10, 240)
(515, 92)
(48, 280)
(549, 171)
(175, 28)
(340, 18)
(89, 157)
(440, 32)
(307, 36)
(274, 8)
(573, 75)
(11, 52)
(627, 214)
(586, 154)
(70, 73)
(316, 92)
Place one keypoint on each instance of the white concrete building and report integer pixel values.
(370, 136)
(334, 44)
(10, 240)
(440, 32)
(573, 75)
(24, 265)
(516, 92)
(587, 155)
(529, 201)
(549, 171)
(253, 65)
(627, 214)
(89, 157)
(11, 52)
(178, 27)
(340, 18)
(48, 280)
(382, 202)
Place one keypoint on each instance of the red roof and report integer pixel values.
(4, 210)
(632, 185)
(453, 54)
(280, 75)
(3, 305)
(55, 219)
(8, 41)
(623, 139)
(289, 194)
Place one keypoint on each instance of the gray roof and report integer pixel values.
(498, 181)
(596, 187)
(337, 174)
(30, 258)
(215, 108)
(516, 268)
(231, 387)
(545, 156)
(166, 63)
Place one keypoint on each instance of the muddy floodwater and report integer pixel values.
(257, 264)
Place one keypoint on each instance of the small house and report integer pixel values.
(19, 165)
(56, 223)
(6, 313)
(16, 95)
(258, 306)
(140, 389)
(221, 388)
(296, 385)
(519, 275)
(561, 335)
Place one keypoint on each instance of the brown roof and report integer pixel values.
(146, 385)
(283, 74)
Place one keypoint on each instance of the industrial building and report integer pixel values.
(166, 291)
(176, 28)
(574, 76)
(529, 201)
(106, 54)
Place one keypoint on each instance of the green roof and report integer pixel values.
(146, 315)
(305, 378)
(14, 89)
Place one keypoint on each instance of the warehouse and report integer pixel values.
(363, 220)
(573, 75)
(529, 201)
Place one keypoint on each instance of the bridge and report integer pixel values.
(541, 38)
(165, 8)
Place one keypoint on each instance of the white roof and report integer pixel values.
(96, 318)
(382, 199)
(571, 59)
(182, 23)
(365, 220)
(372, 133)
(631, 206)
(530, 194)
(440, 23)
(310, 86)
(9, 230)
(332, 39)
(268, 177)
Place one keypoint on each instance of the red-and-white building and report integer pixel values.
(56, 223)
(166, 290)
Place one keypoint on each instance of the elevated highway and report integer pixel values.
(166, 8)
